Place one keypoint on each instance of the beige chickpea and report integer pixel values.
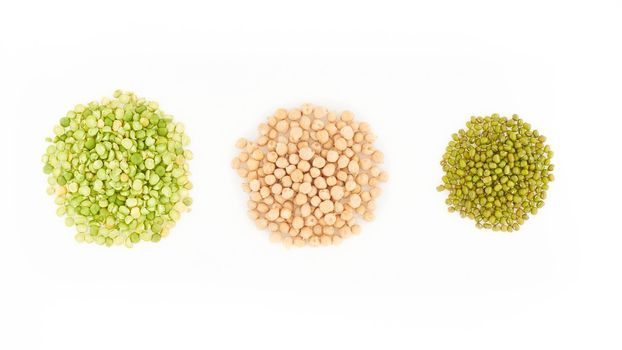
(268, 168)
(253, 214)
(287, 193)
(320, 112)
(305, 122)
(295, 134)
(347, 132)
(318, 162)
(299, 242)
(272, 214)
(280, 114)
(317, 125)
(241, 143)
(297, 176)
(365, 196)
(328, 169)
(294, 114)
(327, 206)
(265, 192)
(307, 109)
(304, 166)
(282, 126)
(355, 201)
(236, 163)
(332, 156)
(306, 232)
(336, 192)
(347, 116)
(289, 241)
(310, 221)
(362, 179)
(305, 153)
(359, 137)
(270, 180)
(285, 213)
(350, 186)
(286, 181)
(366, 164)
(298, 223)
(261, 223)
(276, 189)
(281, 149)
(378, 157)
(319, 183)
(255, 185)
(330, 219)
(300, 199)
(281, 162)
(341, 144)
(331, 181)
(275, 237)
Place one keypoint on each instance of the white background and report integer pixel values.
(417, 277)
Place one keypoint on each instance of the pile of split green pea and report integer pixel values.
(119, 170)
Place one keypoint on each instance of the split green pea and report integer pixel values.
(119, 170)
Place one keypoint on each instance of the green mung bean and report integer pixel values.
(497, 172)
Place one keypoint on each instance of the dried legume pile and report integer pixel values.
(119, 170)
(310, 174)
(497, 172)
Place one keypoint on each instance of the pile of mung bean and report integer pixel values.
(310, 174)
(119, 170)
(497, 172)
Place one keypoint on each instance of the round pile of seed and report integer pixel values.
(310, 174)
(119, 170)
(497, 172)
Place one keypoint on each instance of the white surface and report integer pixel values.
(417, 277)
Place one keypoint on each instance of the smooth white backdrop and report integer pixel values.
(417, 277)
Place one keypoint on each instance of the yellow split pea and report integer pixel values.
(310, 175)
